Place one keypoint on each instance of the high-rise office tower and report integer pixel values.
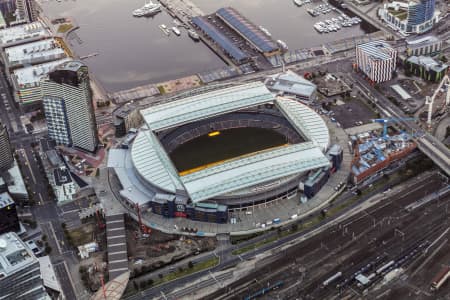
(20, 275)
(26, 10)
(67, 100)
(6, 155)
(9, 221)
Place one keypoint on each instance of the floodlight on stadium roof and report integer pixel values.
(154, 166)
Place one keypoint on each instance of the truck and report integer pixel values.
(276, 221)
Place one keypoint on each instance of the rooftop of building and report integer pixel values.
(34, 50)
(377, 50)
(247, 29)
(291, 82)
(22, 33)
(73, 65)
(5, 200)
(218, 37)
(16, 185)
(30, 76)
(425, 40)
(14, 254)
(374, 149)
(62, 176)
(428, 62)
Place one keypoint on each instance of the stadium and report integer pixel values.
(202, 156)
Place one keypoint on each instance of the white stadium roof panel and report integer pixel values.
(306, 121)
(206, 105)
(256, 169)
(152, 163)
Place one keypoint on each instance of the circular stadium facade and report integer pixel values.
(204, 155)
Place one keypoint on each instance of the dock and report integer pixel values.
(136, 93)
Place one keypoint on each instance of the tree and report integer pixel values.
(444, 59)
(160, 276)
(294, 227)
(190, 264)
(48, 249)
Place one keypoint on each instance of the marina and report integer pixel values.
(181, 56)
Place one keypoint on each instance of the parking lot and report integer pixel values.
(352, 113)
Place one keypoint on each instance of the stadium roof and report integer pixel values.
(153, 165)
(224, 42)
(252, 170)
(306, 121)
(247, 29)
(206, 105)
(377, 50)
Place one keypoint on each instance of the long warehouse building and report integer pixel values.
(221, 40)
(249, 31)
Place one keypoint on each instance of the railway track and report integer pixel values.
(387, 228)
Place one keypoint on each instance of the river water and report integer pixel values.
(134, 51)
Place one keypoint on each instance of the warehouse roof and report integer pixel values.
(247, 29)
(33, 51)
(224, 42)
(30, 76)
(206, 105)
(290, 82)
(22, 33)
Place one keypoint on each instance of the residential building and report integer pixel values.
(127, 117)
(9, 221)
(67, 99)
(377, 60)
(63, 185)
(425, 67)
(410, 17)
(6, 154)
(26, 11)
(15, 184)
(20, 275)
(57, 120)
(290, 83)
(427, 45)
(26, 81)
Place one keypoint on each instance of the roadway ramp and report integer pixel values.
(116, 242)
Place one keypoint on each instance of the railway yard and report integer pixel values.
(391, 250)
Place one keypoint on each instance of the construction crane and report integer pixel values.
(430, 100)
(390, 120)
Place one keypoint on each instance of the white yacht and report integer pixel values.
(298, 2)
(265, 31)
(148, 9)
(176, 30)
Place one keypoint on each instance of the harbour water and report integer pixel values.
(135, 51)
(132, 51)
